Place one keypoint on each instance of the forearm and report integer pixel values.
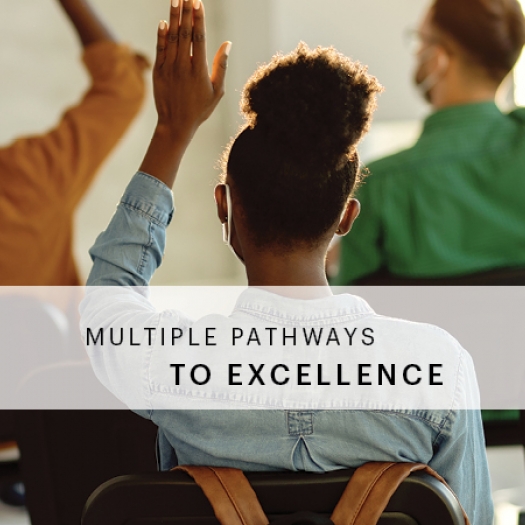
(88, 25)
(164, 154)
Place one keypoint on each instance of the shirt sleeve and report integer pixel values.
(60, 164)
(360, 250)
(125, 256)
(461, 455)
(129, 251)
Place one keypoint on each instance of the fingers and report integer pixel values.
(199, 37)
(220, 64)
(162, 35)
(186, 37)
(174, 30)
(186, 29)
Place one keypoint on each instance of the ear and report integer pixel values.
(221, 202)
(442, 59)
(348, 217)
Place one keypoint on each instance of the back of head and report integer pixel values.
(294, 164)
(491, 32)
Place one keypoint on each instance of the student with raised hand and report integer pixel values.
(451, 205)
(43, 178)
(286, 190)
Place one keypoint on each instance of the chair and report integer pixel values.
(9, 474)
(66, 454)
(502, 428)
(173, 498)
(497, 277)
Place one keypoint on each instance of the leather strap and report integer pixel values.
(370, 489)
(232, 497)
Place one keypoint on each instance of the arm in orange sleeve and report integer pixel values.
(61, 164)
(88, 25)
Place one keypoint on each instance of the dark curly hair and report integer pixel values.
(492, 32)
(294, 164)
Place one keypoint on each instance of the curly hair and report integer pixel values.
(294, 164)
(492, 32)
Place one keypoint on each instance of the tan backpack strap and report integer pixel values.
(370, 489)
(230, 494)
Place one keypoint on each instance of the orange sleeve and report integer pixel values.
(62, 163)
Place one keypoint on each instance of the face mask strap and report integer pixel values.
(431, 80)
(226, 226)
(226, 230)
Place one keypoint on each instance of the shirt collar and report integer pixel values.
(463, 116)
(275, 307)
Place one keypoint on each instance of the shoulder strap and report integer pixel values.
(230, 494)
(370, 489)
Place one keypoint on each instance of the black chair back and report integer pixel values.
(173, 498)
(66, 454)
(496, 277)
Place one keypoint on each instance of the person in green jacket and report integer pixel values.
(454, 203)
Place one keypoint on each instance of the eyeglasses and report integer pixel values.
(415, 40)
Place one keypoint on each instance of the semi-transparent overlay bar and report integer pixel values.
(371, 348)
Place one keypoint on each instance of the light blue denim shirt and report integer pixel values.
(125, 257)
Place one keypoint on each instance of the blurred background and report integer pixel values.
(41, 74)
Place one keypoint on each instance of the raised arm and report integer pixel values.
(88, 25)
(63, 162)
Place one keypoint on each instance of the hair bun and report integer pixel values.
(315, 103)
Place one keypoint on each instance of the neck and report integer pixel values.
(298, 268)
(457, 95)
(462, 100)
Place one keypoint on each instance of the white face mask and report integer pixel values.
(429, 82)
(226, 230)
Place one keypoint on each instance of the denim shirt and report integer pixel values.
(373, 427)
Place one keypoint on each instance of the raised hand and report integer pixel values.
(185, 94)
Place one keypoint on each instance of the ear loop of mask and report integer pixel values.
(226, 229)
(431, 80)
